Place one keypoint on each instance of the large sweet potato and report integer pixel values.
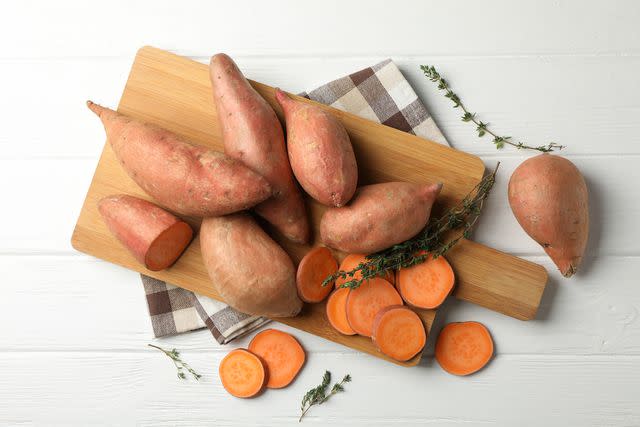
(252, 134)
(248, 269)
(379, 216)
(188, 179)
(154, 237)
(549, 198)
(320, 152)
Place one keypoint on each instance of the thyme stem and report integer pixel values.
(482, 128)
(432, 241)
(180, 365)
(318, 395)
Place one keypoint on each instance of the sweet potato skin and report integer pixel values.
(379, 216)
(137, 223)
(252, 133)
(550, 200)
(251, 272)
(320, 152)
(188, 179)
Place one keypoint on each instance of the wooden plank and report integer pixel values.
(284, 27)
(596, 315)
(54, 286)
(115, 388)
(558, 80)
(175, 93)
(607, 177)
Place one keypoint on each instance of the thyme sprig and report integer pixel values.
(433, 240)
(318, 395)
(181, 366)
(481, 127)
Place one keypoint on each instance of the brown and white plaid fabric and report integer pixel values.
(379, 93)
(171, 308)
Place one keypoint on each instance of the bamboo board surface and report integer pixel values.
(175, 93)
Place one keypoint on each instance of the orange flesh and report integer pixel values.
(242, 373)
(168, 246)
(366, 301)
(337, 311)
(464, 348)
(428, 284)
(399, 333)
(282, 354)
(350, 262)
(316, 266)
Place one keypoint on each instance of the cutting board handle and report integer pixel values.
(496, 280)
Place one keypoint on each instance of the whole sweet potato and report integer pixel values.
(154, 237)
(248, 269)
(549, 198)
(379, 216)
(252, 134)
(188, 179)
(320, 152)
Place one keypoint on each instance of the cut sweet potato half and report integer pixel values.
(168, 246)
(155, 237)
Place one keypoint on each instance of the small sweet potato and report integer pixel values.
(187, 179)
(154, 237)
(549, 198)
(252, 133)
(251, 272)
(379, 216)
(320, 152)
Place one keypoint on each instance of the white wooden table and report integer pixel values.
(73, 330)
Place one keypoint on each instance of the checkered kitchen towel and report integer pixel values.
(380, 94)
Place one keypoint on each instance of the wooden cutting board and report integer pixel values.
(175, 93)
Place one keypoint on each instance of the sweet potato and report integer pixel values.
(315, 266)
(463, 348)
(352, 261)
(252, 133)
(336, 310)
(187, 179)
(154, 237)
(379, 216)
(320, 152)
(398, 332)
(426, 285)
(242, 373)
(364, 302)
(282, 354)
(549, 198)
(251, 272)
